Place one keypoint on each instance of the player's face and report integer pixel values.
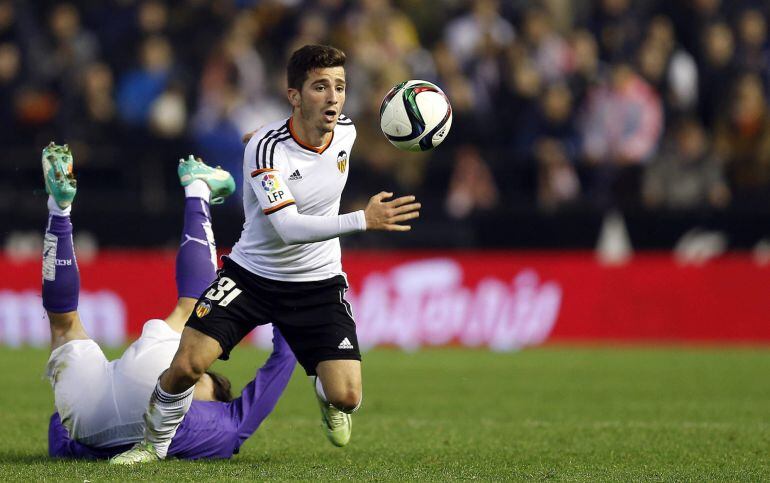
(322, 98)
(204, 389)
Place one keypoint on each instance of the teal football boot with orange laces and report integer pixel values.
(58, 175)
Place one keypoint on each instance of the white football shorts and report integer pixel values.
(101, 403)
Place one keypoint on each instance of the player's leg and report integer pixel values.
(61, 279)
(196, 259)
(339, 383)
(328, 351)
(339, 392)
(220, 320)
(172, 397)
(76, 361)
(195, 270)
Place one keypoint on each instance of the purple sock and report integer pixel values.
(196, 260)
(61, 278)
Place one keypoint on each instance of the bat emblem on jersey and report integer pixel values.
(203, 308)
(342, 161)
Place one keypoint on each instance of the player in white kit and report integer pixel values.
(286, 267)
(101, 402)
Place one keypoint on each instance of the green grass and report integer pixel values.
(554, 413)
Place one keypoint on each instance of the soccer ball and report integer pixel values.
(415, 116)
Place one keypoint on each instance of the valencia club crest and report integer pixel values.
(203, 308)
(342, 161)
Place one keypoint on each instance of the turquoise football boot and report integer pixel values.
(57, 172)
(221, 183)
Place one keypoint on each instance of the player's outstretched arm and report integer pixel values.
(389, 215)
(379, 214)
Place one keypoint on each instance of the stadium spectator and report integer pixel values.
(753, 50)
(472, 186)
(139, 88)
(8, 22)
(668, 67)
(72, 47)
(616, 27)
(89, 117)
(622, 124)
(717, 71)
(233, 97)
(742, 139)
(10, 82)
(152, 18)
(468, 34)
(692, 19)
(686, 174)
(519, 101)
(549, 51)
(556, 148)
(586, 67)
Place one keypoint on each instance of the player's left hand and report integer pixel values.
(388, 215)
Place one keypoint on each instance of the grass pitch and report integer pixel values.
(551, 413)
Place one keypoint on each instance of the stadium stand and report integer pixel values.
(563, 111)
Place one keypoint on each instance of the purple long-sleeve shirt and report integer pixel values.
(211, 429)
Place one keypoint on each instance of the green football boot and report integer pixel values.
(57, 172)
(220, 182)
(337, 424)
(141, 453)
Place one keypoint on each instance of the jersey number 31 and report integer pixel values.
(225, 292)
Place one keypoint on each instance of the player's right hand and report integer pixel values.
(388, 215)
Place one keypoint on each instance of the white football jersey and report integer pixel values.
(281, 171)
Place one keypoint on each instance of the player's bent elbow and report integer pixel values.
(288, 234)
(288, 239)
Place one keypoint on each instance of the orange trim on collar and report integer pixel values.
(305, 145)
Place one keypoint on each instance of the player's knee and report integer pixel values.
(185, 372)
(347, 400)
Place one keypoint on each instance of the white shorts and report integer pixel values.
(101, 403)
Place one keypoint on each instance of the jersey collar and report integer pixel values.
(290, 125)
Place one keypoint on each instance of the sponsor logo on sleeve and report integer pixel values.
(272, 186)
(270, 183)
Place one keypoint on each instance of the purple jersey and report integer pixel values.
(210, 429)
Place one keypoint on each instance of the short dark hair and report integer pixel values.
(222, 387)
(310, 57)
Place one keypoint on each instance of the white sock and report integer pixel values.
(319, 388)
(198, 189)
(164, 416)
(54, 209)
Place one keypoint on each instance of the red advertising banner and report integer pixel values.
(499, 300)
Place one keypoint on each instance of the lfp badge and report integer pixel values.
(270, 183)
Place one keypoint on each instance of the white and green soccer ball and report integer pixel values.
(415, 115)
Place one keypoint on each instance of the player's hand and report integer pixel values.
(388, 215)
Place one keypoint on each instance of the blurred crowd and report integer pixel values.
(652, 105)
